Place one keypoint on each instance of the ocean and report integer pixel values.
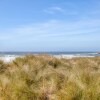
(71, 54)
(10, 56)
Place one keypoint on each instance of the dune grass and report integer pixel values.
(43, 77)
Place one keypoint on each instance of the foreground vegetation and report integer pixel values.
(43, 77)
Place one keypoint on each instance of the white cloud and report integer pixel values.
(57, 9)
(60, 10)
(53, 10)
(52, 28)
(53, 33)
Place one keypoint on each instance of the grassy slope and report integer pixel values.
(46, 78)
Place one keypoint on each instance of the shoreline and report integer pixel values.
(72, 56)
(10, 58)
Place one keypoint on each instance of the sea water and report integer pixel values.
(73, 54)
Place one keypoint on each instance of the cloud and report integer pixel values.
(52, 34)
(53, 10)
(53, 29)
(60, 10)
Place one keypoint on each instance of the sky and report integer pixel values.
(49, 25)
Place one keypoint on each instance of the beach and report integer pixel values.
(10, 57)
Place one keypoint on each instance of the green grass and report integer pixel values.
(43, 77)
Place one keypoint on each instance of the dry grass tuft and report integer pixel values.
(43, 77)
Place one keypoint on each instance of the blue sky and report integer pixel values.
(49, 25)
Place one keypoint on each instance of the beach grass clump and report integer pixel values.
(43, 77)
